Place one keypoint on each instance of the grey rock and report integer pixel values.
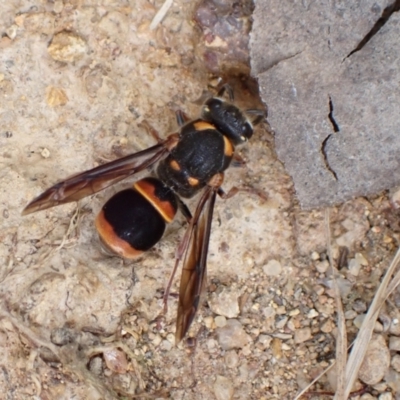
(334, 111)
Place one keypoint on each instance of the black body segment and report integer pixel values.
(134, 219)
(199, 154)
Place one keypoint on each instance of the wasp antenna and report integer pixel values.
(258, 115)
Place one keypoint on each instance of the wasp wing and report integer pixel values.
(195, 265)
(92, 181)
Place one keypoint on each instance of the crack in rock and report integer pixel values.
(325, 157)
(386, 14)
(331, 117)
(336, 128)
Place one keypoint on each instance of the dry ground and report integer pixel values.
(76, 323)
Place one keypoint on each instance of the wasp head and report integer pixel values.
(228, 119)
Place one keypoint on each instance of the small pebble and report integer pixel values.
(283, 336)
(45, 153)
(157, 340)
(223, 388)
(247, 350)
(359, 320)
(225, 303)
(386, 396)
(354, 266)
(285, 347)
(302, 335)
(367, 396)
(269, 312)
(115, 360)
(350, 314)
(319, 290)
(56, 96)
(58, 6)
(67, 47)
(395, 363)
(276, 346)
(96, 365)
(171, 338)
(265, 340)
(272, 268)
(327, 326)
(166, 345)
(378, 327)
(232, 335)
(394, 343)
(281, 310)
(392, 378)
(314, 256)
(322, 266)
(11, 31)
(312, 313)
(281, 323)
(394, 328)
(231, 359)
(376, 361)
(345, 287)
(220, 321)
(395, 199)
(243, 371)
(208, 322)
(359, 306)
(380, 387)
(362, 260)
(212, 345)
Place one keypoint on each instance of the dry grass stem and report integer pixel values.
(161, 13)
(364, 335)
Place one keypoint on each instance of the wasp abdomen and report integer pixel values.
(134, 220)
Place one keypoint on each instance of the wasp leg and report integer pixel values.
(235, 190)
(181, 117)
(153, 132)
(229, 91)
(238, 161)
(184, 210)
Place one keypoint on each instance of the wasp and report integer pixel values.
(190, 161)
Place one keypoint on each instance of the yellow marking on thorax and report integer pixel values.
(193, 181)
(175, 165)
(228, 147)
(203, 125)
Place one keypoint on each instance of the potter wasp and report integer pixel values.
(190, 161)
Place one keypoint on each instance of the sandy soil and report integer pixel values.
(76, 80)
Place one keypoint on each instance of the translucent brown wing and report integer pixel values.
(92, 181)
(194, 268)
